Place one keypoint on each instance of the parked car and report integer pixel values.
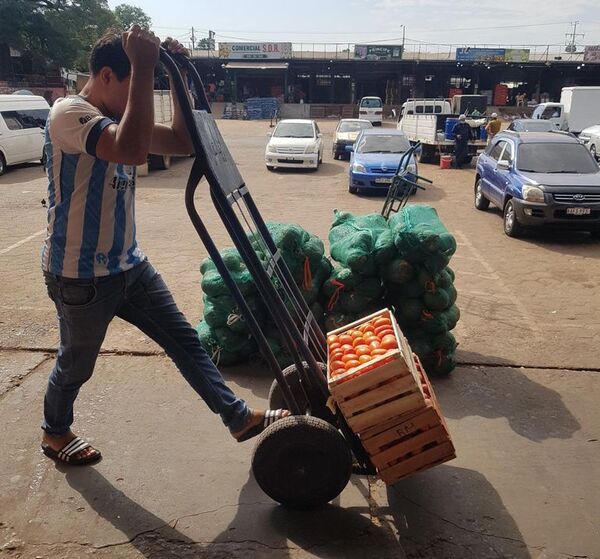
(295, 143)
(591, 139)
(375, 158)
(345, 134)
(579, 108)
(539, 179)
(532, 125)
(22, 122)
(371, 109)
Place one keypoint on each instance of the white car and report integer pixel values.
(345, 134)
(22, 122)
(371, 109)
(591, 139)
(295, 143)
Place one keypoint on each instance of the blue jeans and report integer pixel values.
(139, 296)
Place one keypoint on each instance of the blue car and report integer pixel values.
(374, 160)
(539, 179)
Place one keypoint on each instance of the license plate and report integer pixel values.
(383, 180)
(290, 160)
(579, 211)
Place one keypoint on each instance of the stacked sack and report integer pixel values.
(360, 245)
(420, 285)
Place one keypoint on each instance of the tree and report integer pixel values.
(128, 15)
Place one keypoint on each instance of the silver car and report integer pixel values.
(345, 134)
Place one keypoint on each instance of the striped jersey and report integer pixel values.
(91, 202)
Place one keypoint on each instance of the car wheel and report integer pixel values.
(44, 158)
(334, 154)
(512, 227)
(594, 152)
(481, 202)
(2, 164)
(353, 190)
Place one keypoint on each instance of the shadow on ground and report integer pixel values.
(453, 513)
(532, 410)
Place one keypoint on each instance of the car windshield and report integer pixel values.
(354, 126)
(374, 103)
(381, 143)
(556, 158)
(536, 126)
(294, 130)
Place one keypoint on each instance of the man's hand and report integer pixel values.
(141, 46)
(175, 47)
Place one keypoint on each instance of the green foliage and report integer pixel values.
(128, 15)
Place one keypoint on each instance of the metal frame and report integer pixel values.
(302, 336)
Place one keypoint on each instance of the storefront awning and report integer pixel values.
(256, 66)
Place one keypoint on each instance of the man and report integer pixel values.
(462, 135)
(93, 267)
(493, 127)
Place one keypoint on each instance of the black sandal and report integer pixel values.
(271, 416)
(66, 453)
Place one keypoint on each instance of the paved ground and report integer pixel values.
(522, 407)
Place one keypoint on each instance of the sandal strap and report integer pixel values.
(72, 448)
(271, 416)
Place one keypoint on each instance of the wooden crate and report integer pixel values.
(403, 446)
(379, 390)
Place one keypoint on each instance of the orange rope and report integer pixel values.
(339, 287)
(307, 283)
(439, 354)
(427, 315)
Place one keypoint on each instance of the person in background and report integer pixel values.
(493, 127)
(461, 134)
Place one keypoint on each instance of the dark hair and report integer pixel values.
(108, 51)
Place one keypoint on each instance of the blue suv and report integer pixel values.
(539, 179)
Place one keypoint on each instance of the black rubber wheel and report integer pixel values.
(481, 202)
(302, 462)
(44, 158)
(276, 399)
(511, 225)
(352, 190)
(159, 162)
(594, 152)
(334, 154)
(2, 164)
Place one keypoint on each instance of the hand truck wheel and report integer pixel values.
(302, 462)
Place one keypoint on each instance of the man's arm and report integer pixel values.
(129, 141)
(173, 139)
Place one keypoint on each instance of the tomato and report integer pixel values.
(378, 352)
(369, 328)
(335, 365)
(383, 321)
(345, 339)
(362, 350)
(365, 359)
(362, 327)
(337, 354)
(383, 331)
(349, 357)
(356, 334)
(334, 346)
(375, 344)
(347, 348)
(350, 333)
(389, 342)
(338, 372)
(370, 337)
(351, 364)
(358, 341)
(332, 339)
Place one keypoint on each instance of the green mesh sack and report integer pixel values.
(385, 249)
(220, 355)
(439, 363)
(437, 300)
(347, 291)
(409, 290)
(311, 289)
(397, 270)
(444, 342)
(335, 320)
(438, 322)
(358, 242)
(420, 236)
(212, 282)
(420, 345)
(444, 279)
(408, 310)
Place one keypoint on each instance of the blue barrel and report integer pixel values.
(482, 133)
(450, 123)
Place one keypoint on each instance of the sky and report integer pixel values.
(458, 23)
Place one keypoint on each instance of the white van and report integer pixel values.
(22, 122)
(371, 109)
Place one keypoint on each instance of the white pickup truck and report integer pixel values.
(163, 114)
(579, 108)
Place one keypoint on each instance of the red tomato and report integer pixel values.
(350, 333)
(375, 344)
(384, 331)
(369, 328)
(383, 321)
(358, 341)
(347, 348)
(337, 354)
(334, 346)
(389, 342)
(335, 365)
(356, 334)
(365, 359)
(351, 364)
(370, 337)
(378, 352)
(345, 339)
(331, 339)
(338, 372)
(362, 350)
(349, 357)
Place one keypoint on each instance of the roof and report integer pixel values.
(383, 132)
(540, 137)
(297, 120)
(353, 120)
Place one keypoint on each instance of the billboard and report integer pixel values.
(516, 55)
(591, 53)
(378, 52)
(254, 51)
(469, 54)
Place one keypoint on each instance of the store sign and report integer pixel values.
(591, 53)
(253, 51)
(378, 52)
(516, 55)
(480, 55)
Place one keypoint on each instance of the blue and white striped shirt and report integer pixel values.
(91, 202)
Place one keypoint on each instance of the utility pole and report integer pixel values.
(193, 38)
(571, 46)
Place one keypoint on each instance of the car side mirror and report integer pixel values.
(504, 165)
(349, 148)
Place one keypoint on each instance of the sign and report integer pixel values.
(479, 55)
(516, 55)
(591, 54)
(253, 51)
(378, 52)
